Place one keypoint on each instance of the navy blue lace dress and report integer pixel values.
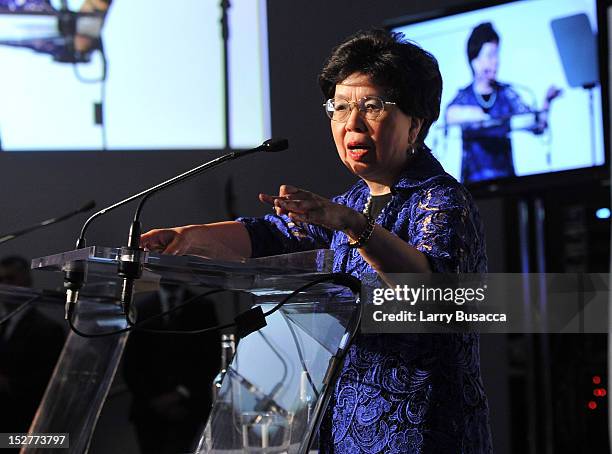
(487, 151)
(417, 394)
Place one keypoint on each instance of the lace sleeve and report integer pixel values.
(517, 105)
(446, 227)
(273, 235)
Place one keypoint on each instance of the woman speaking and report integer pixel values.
(396, 393)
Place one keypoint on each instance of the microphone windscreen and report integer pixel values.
(274, 145)
(501, 84)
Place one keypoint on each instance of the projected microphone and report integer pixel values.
(130, 257)
(499, 84)
(11, 236)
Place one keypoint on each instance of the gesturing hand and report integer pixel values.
(304, 206)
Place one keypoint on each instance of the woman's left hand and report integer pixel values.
(304, 206)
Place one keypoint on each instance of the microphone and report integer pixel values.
(499, 84)
(130, 263)
(274, 145)
(11, 236)
(74, 278)
(74, 274)
(270, 145)
(130, 257)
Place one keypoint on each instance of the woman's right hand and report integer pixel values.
(228, 240)
(186, 240)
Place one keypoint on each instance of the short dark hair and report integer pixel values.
(409, 75)
(481, 34)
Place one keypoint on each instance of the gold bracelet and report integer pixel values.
(365, 235)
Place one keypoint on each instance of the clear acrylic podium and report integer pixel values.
(276, 388)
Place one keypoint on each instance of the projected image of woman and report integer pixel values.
(396, 393)
(483, 110)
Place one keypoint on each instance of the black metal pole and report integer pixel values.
(225, 5)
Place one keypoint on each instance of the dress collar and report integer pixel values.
(423, 168)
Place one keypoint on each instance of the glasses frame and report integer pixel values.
(356, 104)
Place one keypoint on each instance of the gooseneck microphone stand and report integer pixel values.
(130, 263)
(16, 234)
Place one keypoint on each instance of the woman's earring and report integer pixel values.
(412, 149)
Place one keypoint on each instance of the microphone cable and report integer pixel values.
(142, 322)
(244, 321)
(23, 305)
(257, 312)
(277, 353)
(301, 356)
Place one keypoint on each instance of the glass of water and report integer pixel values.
(266, 432)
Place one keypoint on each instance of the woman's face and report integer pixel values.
(375, 150)
(486, 63)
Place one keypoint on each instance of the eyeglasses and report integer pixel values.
(370, 107)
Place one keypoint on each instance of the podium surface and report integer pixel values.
(274, 391)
